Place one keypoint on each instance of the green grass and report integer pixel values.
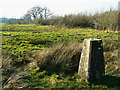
(44, 79)
(21, 42)
(19, 39)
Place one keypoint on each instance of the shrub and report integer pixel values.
(106, 20)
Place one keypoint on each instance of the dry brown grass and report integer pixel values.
(61, 58)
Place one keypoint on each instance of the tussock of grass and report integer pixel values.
(61, 58)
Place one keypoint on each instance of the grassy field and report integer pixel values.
(28, 52)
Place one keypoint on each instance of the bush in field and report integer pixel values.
(69, 21)
(106, 20)
(76, 21)
(61, 58)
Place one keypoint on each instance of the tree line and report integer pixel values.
(43, 16)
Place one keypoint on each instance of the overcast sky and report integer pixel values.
(17, 8)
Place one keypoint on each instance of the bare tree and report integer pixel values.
(47, 13)
(27, 17)
(38, 12)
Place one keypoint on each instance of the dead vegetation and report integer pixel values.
(61, 58)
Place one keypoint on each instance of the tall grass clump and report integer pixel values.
(61, 58)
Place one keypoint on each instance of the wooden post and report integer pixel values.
(91, 65)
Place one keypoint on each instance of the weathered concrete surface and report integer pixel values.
(91, 65)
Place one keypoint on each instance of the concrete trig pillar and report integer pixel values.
(91, 65)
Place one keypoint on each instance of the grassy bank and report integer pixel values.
(42, 56)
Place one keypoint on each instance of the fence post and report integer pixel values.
(91, 65)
